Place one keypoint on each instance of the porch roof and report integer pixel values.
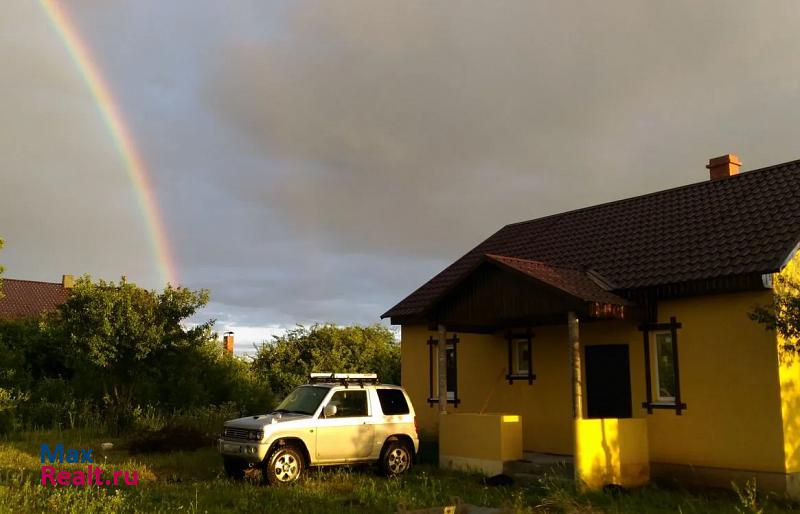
(501, 291)
(583, 285)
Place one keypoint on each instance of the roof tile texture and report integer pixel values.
(29, 298)
(747, 223)
(573, 282)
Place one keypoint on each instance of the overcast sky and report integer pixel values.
(317, 161)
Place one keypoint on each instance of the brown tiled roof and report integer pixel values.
(576, 283)
(29, 298)
(747, 223)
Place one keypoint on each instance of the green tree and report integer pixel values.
(115, 334)
(784, 315)
(286, 361)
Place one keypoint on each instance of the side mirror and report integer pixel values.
(329, 411)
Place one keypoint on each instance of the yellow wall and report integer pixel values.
(613, 451)
(482, 363)
(729, 381)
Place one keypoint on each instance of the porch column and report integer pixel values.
(573, 328)
(442, 369)
(575, 361)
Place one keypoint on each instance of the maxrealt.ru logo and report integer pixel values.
(92, 476)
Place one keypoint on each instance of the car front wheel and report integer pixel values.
(284, 466)
(396, 460)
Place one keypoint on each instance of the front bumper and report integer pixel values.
(252, 452)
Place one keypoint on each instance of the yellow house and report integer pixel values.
(648, 300)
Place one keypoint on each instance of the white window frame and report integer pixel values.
(659, 398)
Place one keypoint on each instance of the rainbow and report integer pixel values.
(109, 110)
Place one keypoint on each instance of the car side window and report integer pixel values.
(350, 404)
(393, 402)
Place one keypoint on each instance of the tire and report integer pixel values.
(396, 459)
(284, 465)
(234, 468)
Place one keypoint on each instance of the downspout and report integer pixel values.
(573, 327)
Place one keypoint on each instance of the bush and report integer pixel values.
(117, 356)
(9, 405)
(168, 439)
(286, 362)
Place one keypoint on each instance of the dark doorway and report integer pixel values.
(608, 381)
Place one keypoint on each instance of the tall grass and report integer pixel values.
(194, 482)
(89, 422)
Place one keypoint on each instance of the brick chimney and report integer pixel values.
(723, 166)
(227, 341)
(67, 281)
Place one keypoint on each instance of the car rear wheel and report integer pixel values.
(396, 459)
(234, 468)
(284, 466)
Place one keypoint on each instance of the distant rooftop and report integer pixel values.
(22, 298)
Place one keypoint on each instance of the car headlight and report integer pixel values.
(255, 435)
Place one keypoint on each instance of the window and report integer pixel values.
(350, 404)
(665, 367)
(452, 371)
(521, 357)
(660, 341)
(393, 402)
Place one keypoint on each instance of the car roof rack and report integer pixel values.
(346, 379)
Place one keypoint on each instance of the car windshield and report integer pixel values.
(303, 400)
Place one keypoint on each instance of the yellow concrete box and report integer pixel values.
(612, 452)
(479, 442)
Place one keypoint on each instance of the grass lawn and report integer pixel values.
(193, 482)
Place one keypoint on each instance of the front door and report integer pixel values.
(608, 381)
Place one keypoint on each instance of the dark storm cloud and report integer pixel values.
(320, 160)
(419, 127)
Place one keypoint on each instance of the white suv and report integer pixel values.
(336, 419)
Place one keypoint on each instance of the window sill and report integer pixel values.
(664, 406)
(451, 401)
(521, 376)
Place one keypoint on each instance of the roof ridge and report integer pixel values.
(543, 263)
(6, 279)
(655, 193)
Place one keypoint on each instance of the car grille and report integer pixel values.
(237, 433)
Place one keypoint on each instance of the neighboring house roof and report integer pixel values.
(743, 224)
(29, 298)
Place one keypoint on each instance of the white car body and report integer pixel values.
(325, 441)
